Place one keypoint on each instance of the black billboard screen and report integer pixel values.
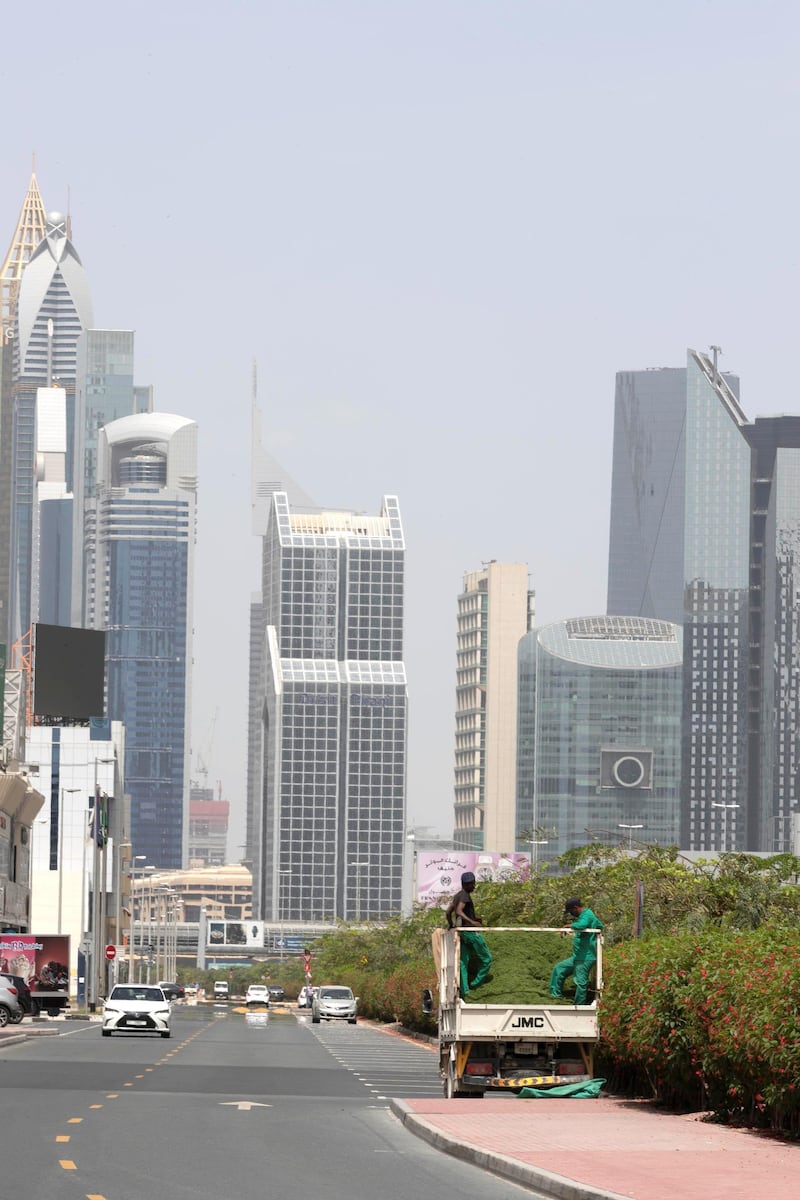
(68, 672)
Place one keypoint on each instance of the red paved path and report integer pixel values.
(623, 1148)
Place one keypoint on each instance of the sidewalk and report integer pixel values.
(596, 1149)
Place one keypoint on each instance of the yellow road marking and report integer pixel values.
(139, 1077)
(127, 1085)
(74, 1120)
(95, 1196)
(148, 1068)
(95, 1106)
(112, 1096)
(63, 1137)
(67, 1164)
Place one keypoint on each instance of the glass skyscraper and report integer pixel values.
(330, 834)
(53, 307)
(704, 514)
(145, 537)
(104, 392)
(599, 742)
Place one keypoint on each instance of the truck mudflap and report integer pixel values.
(505, 1081)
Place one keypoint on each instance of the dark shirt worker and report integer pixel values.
(475, 958)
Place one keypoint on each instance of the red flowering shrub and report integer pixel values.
(707, 1021)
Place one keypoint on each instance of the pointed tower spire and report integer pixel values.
(29, 232)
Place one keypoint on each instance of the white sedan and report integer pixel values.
(257, 993)
(136, 1008)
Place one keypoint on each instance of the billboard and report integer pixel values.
(249, 934)
(43, 962)
(68, 672)
(438, 875)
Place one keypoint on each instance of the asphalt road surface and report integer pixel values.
(233, 1107)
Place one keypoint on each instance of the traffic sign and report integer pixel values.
(111, 953)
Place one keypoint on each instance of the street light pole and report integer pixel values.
(630, 829)
(720, 804)
(281, 897)
(61, 850)
(357, 867)
(534, 843)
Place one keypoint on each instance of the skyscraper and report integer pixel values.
(145, 537)
(104, 392)
(29, 232)
(599, 733)
(705, 514)
(53, 307)
(331, 829)
(495, 610)
(266, 478)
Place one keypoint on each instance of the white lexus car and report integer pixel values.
(136, 1008)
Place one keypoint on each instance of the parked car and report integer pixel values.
(332, 1002)
(136, 1008)
(257, 993)
(27, 1004)
(276, 992)
(173, 991)
(11, 1011)
(222, 989)
(304, 997)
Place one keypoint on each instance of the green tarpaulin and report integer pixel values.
(568, 1091)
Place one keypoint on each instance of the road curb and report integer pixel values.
(555, 1186)
(12, 1039)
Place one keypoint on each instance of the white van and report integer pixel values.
(221, 989)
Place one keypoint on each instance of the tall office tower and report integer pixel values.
(773, 692)
(145, 537)
(27, 235)
(266, 478)
(703, 520)
(495, 610)
(51, 555)
(53, 307)
(599, 753)
(104, 392)
(332, 826)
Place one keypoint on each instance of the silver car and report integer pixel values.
(333, 1002)
(11, 1011)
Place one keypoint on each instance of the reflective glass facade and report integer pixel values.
(599, 747)
(704, 517)
(333, 819)
(145, 534)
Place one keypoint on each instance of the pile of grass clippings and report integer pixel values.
(521, 967)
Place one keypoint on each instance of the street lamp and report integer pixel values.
(357, 866)
(630, 829)
(61, 849)
(98, 884)
(721, 804)
(118, 916)
(281, 878)
(534, 843)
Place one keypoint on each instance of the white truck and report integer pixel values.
(516, 1042)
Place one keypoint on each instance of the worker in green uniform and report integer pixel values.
(584, 951)
(476, 957)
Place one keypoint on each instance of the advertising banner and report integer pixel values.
(43, 962)
(236, 933)
(439, 871)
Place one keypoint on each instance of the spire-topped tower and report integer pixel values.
(29, 232)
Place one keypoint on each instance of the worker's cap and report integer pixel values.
(468, 877)
(573, 902)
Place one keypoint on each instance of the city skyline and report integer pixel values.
(434, 279)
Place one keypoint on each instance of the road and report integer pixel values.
(233, 1107)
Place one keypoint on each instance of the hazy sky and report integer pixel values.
(440, 227)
